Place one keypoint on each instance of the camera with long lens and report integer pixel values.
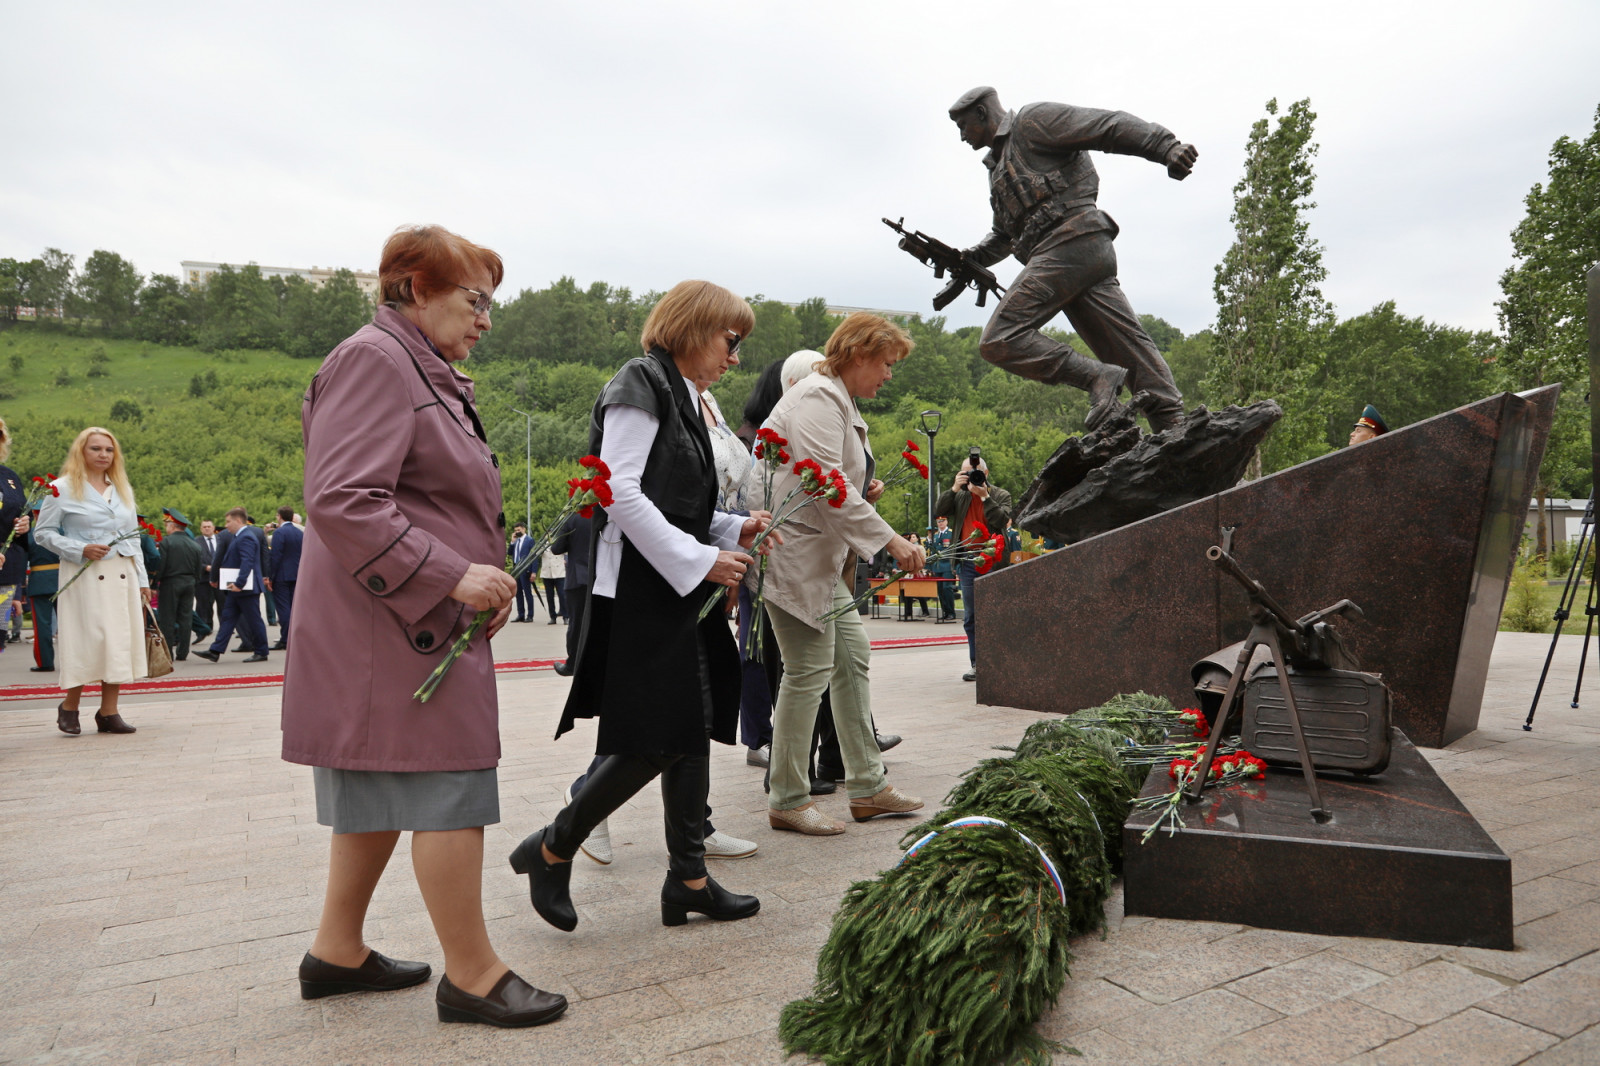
(975, 475)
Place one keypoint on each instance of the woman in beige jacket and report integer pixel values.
(814, 573)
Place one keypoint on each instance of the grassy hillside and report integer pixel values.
(202, 432)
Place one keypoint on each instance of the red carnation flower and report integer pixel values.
(602, 492)
(911, 446)
(597, 464)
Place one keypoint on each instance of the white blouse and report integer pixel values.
(732, 458)
(683, 561)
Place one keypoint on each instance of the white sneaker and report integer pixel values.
(720, 845)
(598, 846)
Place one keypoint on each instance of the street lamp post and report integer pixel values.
(930, 426)
(527, 467)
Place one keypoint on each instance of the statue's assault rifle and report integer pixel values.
(947, 260)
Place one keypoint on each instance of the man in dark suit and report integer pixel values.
(573, 542)
(176, 577)
(283, 568)
(241, 603)
(521, 545)
(44, 568)
(213, 545)
(264, 596)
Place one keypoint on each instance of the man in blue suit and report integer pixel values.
(283, 568)
(521, 545)
(241, 604)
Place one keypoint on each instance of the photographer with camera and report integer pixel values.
(971, 499)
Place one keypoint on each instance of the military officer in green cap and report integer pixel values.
(1369, 425)
(175, 578)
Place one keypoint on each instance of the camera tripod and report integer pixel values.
(1569, 595)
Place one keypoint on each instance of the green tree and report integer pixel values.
(816, 325)
(52, 282)
(241, 310)
(107, 288)
(1190, 360)
(317, 317)
(16, 284)
(776, 336)
(1556, 242)
(168, 311)
(1411, 369)
(1270, 309)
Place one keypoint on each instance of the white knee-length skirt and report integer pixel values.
(99, 624)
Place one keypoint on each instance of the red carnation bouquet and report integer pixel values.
(584, 494)
(41, 487)
(1230, 766)
(909, 468)
(814, 485)
(980, 547)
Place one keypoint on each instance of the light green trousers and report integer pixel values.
(812, 661)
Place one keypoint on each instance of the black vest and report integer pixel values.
(680, 477)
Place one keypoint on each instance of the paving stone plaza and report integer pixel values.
(157, 892)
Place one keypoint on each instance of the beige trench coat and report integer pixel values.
(820, 421)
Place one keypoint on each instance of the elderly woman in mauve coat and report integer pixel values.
(404, 547)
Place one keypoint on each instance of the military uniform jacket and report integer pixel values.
(180, 564)
(1042, 180)
(44, 568)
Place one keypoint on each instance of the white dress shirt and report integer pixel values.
(683, 561)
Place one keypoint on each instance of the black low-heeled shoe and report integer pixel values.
(547, 882)
(511, 1004)
(713, 901)
(67, 721)
(378, 973)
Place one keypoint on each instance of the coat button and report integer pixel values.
(376, 583)
(425, 640)
(102, 577)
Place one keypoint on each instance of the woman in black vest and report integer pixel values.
(661, 681)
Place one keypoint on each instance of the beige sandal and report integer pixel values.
(808, 820)
(890, 801)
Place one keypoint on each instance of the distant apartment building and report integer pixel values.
(195, 273)
(840, 310)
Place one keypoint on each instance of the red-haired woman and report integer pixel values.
(88, 522)
(404, 548)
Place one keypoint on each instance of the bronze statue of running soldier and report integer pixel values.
(1042, 186)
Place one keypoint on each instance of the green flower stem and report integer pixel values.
(458, 649)
(528, 562)
(84, 569)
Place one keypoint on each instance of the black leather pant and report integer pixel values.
(685, 782)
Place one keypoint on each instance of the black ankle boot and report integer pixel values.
(713, 901)
(547, 882)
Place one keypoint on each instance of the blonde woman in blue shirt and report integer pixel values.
(100, 629)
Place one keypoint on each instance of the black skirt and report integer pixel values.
(660, 679)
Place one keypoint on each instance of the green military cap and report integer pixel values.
(176, 515)
(1371, 419)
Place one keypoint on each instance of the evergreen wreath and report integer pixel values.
(951, 958)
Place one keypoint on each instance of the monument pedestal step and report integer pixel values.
(1401, 858)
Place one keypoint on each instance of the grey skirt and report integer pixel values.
(373, 801)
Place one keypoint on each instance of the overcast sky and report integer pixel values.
(758, 144)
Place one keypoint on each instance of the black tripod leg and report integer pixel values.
(1235, 691)
(1588, 631)
(1563, 612)
(1318, 811)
